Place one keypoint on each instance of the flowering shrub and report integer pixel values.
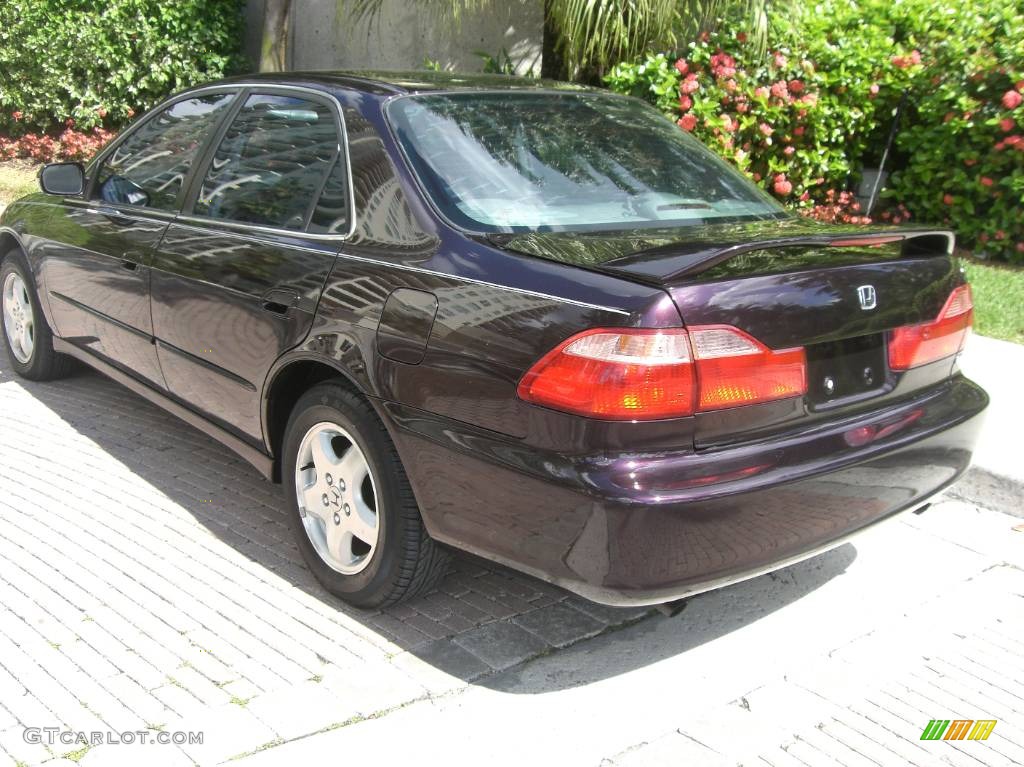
(803, 119)
(69, 144)
(96, 62)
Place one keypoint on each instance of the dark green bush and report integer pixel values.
(98, 62)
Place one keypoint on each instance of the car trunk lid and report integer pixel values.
(834, 291)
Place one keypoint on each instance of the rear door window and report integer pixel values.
(147, 169)
(273, 163)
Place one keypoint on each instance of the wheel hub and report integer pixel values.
(336, 494)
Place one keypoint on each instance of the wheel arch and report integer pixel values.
(9, 241)
(285, 385)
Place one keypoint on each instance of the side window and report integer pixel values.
(272, 164)
(331, 213)
(148, 168)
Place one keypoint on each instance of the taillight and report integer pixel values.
(644, 374)
(734, 369)
(615, 374)
(914, 345)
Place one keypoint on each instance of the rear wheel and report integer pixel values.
(350, 504)
(26, 336)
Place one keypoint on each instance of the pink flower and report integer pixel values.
(799, 130)
(986, 181)
(788, 151)
(1000, 234)
(761, 92)
(690, 84)
(730, 85)
(780, 91)
(741, 37)
(907, 61)
(685, 102)
(969, 161)
(16, 115)
(782, 186)
(873, 90)
(766, 129)
(1006, 124)
(682, 66)
(947, 199)
(131, 113)
(757, 177)
(687, 122)
(780, 60)
(1020, 247)
(742, 107)
(729, 124)
(796, 86)
(722, 65)
(1012, 99)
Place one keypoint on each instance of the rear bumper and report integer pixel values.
(634, 529)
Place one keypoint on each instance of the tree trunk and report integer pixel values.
(552, 65)
(274, 48)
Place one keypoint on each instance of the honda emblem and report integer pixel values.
(868, 297)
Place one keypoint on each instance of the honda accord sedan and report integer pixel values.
(527, 320)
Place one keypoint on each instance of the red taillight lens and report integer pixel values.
(914, 345)
(642, 374)
(734, 369)
(616, 374)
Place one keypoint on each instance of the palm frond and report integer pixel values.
(594, 34)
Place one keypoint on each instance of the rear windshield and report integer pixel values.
(542, 161)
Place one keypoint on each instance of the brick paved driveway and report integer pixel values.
(150, 579)
(148, 582)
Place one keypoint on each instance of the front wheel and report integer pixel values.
(27, 337)
(350, 504)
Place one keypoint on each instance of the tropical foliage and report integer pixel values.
(584, 38)
(806, 116)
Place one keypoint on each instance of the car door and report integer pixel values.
(237, 277)
(98, 279)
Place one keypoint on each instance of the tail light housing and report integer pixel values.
(913, 345)
(646, 374)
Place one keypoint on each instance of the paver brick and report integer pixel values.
(501, 644)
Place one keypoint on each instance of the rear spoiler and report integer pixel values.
(677, 260)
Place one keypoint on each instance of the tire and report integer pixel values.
(368, 560)
(20, 309)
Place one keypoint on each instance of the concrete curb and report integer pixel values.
(996, 480)
(982, 487)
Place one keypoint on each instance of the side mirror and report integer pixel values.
(63, 178)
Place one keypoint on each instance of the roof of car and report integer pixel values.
(392, 83)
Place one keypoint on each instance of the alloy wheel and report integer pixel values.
(337, 498)
(19, 319)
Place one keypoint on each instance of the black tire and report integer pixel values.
(406, 561)
(44, 364)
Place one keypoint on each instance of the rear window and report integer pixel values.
(542, 161)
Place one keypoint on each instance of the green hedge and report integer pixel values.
(97, 63)
(805, 117)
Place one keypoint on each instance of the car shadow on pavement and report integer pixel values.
(481, 620)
